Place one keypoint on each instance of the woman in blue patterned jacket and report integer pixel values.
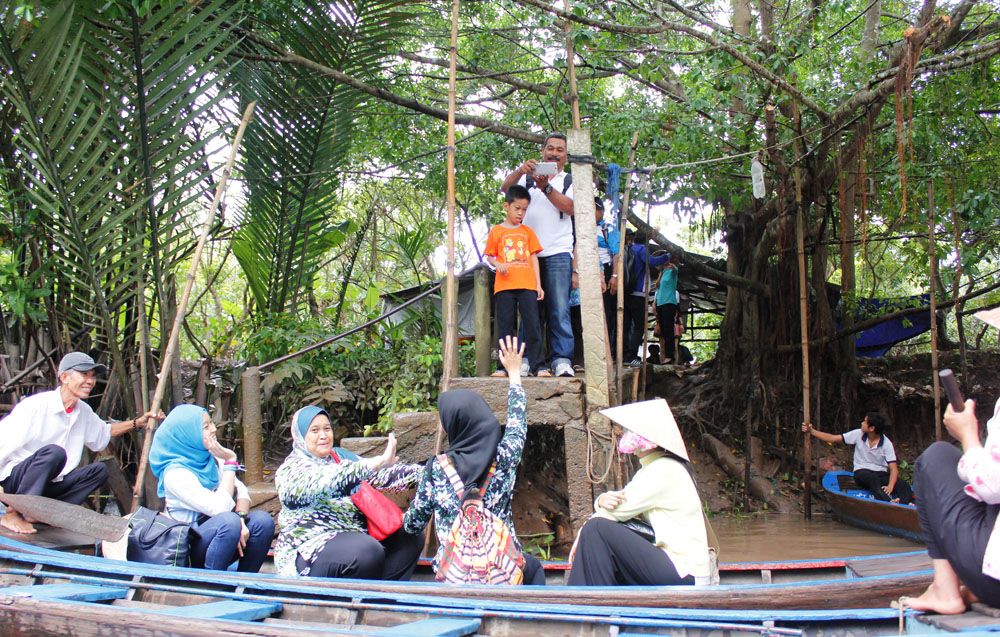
(474, 444)
(323, 534)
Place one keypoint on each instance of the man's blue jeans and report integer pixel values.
(557, 277)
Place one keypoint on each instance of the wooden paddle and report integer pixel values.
(67, 516)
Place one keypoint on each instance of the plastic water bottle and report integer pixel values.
(757, 177)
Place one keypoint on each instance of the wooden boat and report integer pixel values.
(855, 506)
(47, 591)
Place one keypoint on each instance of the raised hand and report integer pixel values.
(510, 357)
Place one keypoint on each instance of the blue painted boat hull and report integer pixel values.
(858, 508)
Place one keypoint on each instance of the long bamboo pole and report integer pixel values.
(449, 303)
(645, 312)
(619, 272)
(803, 310)
(168, 355)
(932, 254)
(448, 307)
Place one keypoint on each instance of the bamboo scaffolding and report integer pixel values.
(172, 342)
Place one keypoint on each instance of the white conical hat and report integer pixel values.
(991, 317)
(652, 420)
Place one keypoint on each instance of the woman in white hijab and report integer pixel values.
(958, 501)
(662, 494)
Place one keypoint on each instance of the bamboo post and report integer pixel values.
(449, 301)
(645, 313)
(253, 455)
(484, 326)
(932, 254)
(175, 330)
(803, 311)
(619, 265)
(448, 305)
(574, 96)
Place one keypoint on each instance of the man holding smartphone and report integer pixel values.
(550, 216)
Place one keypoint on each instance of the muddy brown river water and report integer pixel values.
(761, 538)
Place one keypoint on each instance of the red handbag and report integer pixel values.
(384, 517)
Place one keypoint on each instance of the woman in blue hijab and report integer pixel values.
(323, 533)
(197, 478)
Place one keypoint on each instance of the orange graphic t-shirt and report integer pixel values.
(513, 246)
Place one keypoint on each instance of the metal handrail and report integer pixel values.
(364, 325)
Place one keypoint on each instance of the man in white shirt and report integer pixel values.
(42, 439)
(550, 216)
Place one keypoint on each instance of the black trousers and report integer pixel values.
(508, 303)
(609, 554)
(956, 527)
(360, 556)
(873, 481)
(666, 316)
(634, 326)
(35, 475)
(534, 574)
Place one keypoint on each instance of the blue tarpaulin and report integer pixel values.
(876, 341)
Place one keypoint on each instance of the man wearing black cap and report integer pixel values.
(42, 439)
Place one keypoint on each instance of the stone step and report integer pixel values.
(415, 435)
(551, 401)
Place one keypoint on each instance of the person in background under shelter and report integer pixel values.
(550, 215)
(667, 303)
(959, 495)
(197, 480)
(42, 440)
(875, 467)
(662, 495)
(636, 319)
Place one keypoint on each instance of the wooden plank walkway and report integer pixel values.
(50, 537)
(894, 565)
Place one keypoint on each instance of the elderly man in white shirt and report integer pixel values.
(42, 439)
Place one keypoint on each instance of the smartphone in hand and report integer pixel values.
(546, 168)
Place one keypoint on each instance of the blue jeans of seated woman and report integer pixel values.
(214, 541)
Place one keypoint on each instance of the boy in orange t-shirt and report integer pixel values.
(512, 248)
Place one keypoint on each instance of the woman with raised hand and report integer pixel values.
(197, 478)
(480, 455)
(323, 533)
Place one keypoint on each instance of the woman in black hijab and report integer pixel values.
(480, 456)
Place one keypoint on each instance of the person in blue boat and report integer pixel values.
(197, 478)
(481, 456)
(323, 532)
(959, 493)
(613, 548)
(875, 466)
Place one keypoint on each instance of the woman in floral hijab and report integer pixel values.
(323, 534)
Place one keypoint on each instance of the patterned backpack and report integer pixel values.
(480, 548)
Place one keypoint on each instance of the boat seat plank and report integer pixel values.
(229, 609)
(67, 592)
(969, 620)
(889, 565)
(50, 537)
(435, 627)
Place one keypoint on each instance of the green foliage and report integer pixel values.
(361, 380)
(20, 296)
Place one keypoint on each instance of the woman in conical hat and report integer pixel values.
(662, 494)
(958, 499)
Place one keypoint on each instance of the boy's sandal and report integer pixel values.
(578, 369)
(543, 373)
(500, 373)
